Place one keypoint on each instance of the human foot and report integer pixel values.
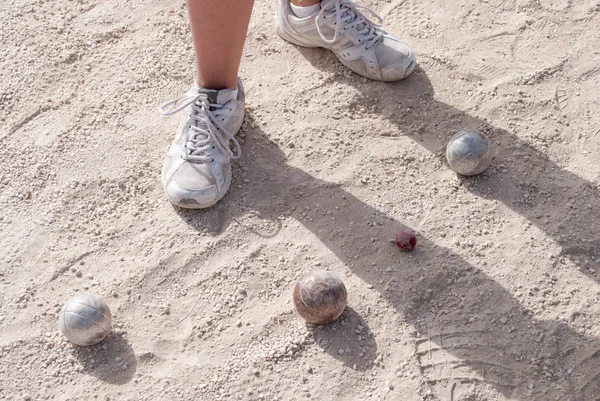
(360, 44)
(197, 171)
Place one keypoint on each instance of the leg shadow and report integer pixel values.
(521, 177)
(463, 347)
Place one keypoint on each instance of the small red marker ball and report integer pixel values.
(405, 240)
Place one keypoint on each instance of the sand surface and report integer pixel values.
(499, 301)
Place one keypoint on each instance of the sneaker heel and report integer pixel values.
(286, 36)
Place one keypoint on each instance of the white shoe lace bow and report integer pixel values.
(206, 132)
(349, 17)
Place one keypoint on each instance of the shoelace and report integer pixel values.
(347, 13)
(206, 132)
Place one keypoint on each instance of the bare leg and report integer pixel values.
(218, 31)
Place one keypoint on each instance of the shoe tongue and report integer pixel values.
(217, 96)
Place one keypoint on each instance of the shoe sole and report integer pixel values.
(407, 72)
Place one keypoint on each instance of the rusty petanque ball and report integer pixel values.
(85, 319)
(320, 297)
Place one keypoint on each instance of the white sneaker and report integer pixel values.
(360, 44)
(197, 172)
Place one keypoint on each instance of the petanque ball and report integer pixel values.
(469, 152)
(85, 319)
(320, 297)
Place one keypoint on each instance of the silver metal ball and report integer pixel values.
(85, 319)
(469, 152)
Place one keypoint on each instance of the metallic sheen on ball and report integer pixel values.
(320, 297)
(469, 152)
(85, 319)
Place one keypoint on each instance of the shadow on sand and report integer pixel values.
(454, 306)
(115, 365)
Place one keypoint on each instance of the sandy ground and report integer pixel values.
(500, 300)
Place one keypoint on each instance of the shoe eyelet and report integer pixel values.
(212, 160)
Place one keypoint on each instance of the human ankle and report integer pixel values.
(305, 10)
(216, 85)
(305, 3)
